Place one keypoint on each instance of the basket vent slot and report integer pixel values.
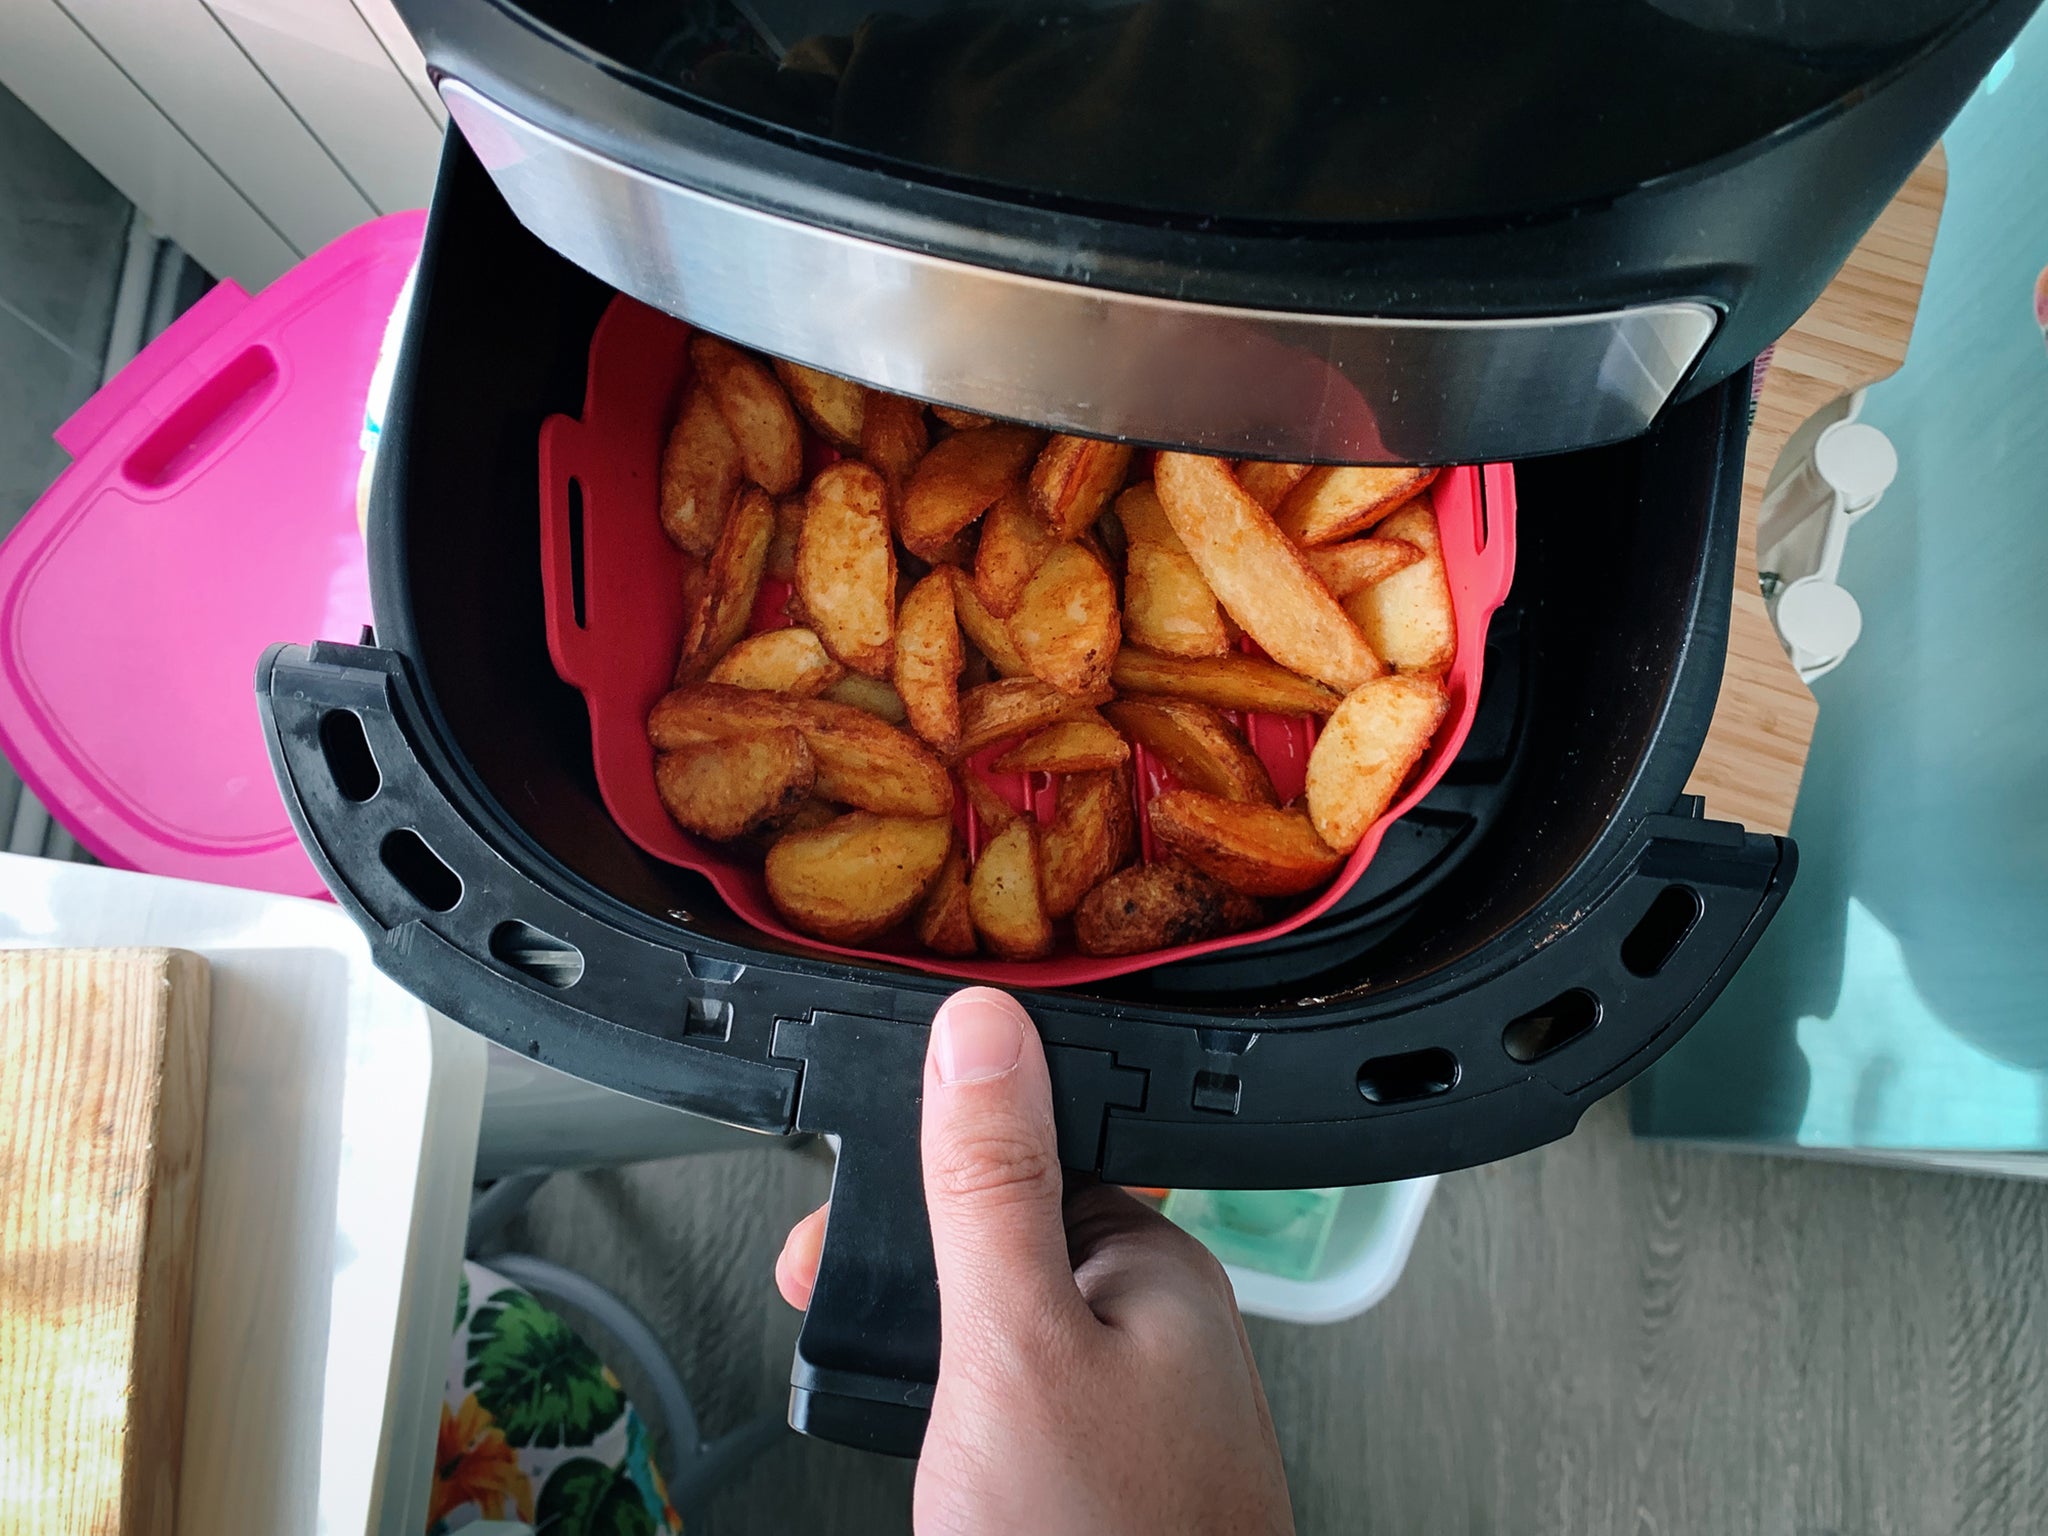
(1411, 1075)
(1658, 933)
(349, 758)
(420, 870)
(548, 960)
(1551, 1027)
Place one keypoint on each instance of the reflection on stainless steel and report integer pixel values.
(1241, 382)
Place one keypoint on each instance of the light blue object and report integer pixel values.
(1275, 1231)
(1900, 1000)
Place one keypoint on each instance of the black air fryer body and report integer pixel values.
(1547, 923)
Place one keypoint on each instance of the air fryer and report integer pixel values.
(1552, 917)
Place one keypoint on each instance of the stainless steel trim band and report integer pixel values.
(1248, 383)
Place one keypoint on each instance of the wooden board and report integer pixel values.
(102, 1104)
(1854, 335)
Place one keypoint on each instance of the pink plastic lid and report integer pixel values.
(210, 509)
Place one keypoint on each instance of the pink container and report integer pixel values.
(210, 508)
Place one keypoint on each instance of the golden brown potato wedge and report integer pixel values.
(1348, 569)
(727, 789)
(712, 711)
(837, 408)
(1093, 831)
(757, 409)
(1235, 681)
(846, 567)
(788, 661)
(1259, 575)
(958, 481)
(1267, 482)
(928, 660)
(944, 925)
(856, 877)
(1365, 752)
(1014, 706)
(1014, 543)
(1168, 606)
(988, 633)
(789, 527)
(738, 562)
(1084, 744)
(893, 437)
(1073, 480)
(1066, 625)
(1200, 748)
(1158, 906)
(701, 471)
(1408, 618)
(991, 811)
(1003, 895)
(959, 420)
(1334, 503)
(871, 694)
(1257, 849)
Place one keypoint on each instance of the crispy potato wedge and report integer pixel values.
(789, 527)
(1159, 906)
(1408, 618)
(988, 633)
(738, 562)
(871, 694)
(1348, 569)
(727, 789)
(1066, 625)
(991, 810)
(712, 711)
(1085, 744)
(959, 420)
(1365, 752)
(1003, 895)
(1014, 543)
(1268, 482)
(944, 925)
(958, 481)
(1334, 503)
(929, 656)
(893, 437)
(701, 472)
(812, 813)
(1073, 479)
(1168, 606)
(836, 408)
(1093, 831)
(858, 876)
(756, 407)
(1235, 681)
(846, 567)
(1200, 748)
(1258, 575)
(1256, 849)
(788, 661)
(1014, 706)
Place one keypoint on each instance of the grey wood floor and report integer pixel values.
(1604, 1336)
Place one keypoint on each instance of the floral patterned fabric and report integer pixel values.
(534, 1428)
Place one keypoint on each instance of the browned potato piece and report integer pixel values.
(958, 481)
(1334, 503)
(836, 407)
(1202, 749)
(1257, 849)
(1093, 831)
(1014, 706)
(928, 660)
(893, 438)
(1365, 751)
(1066, 626)
(713, 711)
(1003, 895)
(1235, 681)
(1408, 617)
(1083, 744)
(988, 633)
(871, 694)
(763, 421)
(789, 527)
(726, 789)
(1158, 906)
(990, 809)
(944, 925)
(959, 420)
(1267, 482)
(858, 876)
(700, 473)
(1258, 575)
(734, 581)
(779, 661)
(846, 567)
(1168, 606)
(1014, 543)
(1073, 480)
(1350, 568)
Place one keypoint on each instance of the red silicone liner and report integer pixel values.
(598, 477)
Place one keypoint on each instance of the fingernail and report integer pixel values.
(976, 1035)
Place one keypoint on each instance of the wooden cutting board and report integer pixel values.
(102, 1107)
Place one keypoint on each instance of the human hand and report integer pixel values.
(1094, 1375)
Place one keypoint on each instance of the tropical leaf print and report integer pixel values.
(542, 1384)
(588, 1498)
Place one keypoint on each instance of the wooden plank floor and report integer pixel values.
(1604, 1336)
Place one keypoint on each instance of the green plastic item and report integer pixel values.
(1276, 1231)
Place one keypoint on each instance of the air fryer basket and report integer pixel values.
(1558, 915)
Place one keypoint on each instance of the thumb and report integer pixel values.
(992, 1173)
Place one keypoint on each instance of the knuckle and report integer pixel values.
(992, 1163)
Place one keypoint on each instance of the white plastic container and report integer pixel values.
(1368, 1248)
